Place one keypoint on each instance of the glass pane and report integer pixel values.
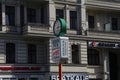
(33, 78)
(22, 79)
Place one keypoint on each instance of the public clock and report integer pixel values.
(59, 27)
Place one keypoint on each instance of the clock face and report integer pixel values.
(57, 27)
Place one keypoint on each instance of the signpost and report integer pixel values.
(60, 44)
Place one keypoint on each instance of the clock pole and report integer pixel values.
(59, 29)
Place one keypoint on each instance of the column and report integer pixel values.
(25, 14)
(3, 16)
(67, 16)
(52, 14)
(83, 53)
(106, 64)
(17, 16)
(84, 27)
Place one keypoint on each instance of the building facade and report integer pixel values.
(26, 33)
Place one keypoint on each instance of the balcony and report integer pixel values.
(36, 28)
(67, 0)
(105, 34)
(10, 29)
(104, 4)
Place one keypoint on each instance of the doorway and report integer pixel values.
(114, 64)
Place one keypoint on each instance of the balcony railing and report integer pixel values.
(104, 30)
(67, 0)
(105, 0)
(107, 4)
(36, 28)
(10, 29)
(112, 34)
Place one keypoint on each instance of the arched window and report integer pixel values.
(10, 53)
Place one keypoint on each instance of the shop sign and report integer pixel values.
(59, 49)
(103, 44)
(71, 77)
(21, 69)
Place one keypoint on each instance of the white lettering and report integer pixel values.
(63, 78)
(53, 77)
(71, 77)
(77, 78)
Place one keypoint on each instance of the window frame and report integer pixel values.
(73, 18)
(32, 59)
(59, 13)
(31, 15)
(75, 56)
(10, 15)
(10, 53)
(93, 56)
(91, 22)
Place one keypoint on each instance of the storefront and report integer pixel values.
(106, 54)
(22, 73)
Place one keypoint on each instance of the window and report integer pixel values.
(42, 15)
(95, 79)
(32, 54)
(114, 24)
(91, 22)
(59, 13)
(34, 79)
(93, 57)
(22, 15)
(10, 15)
(31, 15)
(10, 53)
(73, 20)
(0, 17)
(75, 54)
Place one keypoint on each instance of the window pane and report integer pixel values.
(75, 54)
(10, 15)
(42, 15)
(33, 78)
(31, 15)
(93, 57)
(10, 53)
(91, 21)
(59, 13)
(114, 24)
(0, 17)
(22, 79)
(32, 53)
(73, 20)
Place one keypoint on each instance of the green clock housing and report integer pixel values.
(59, 27)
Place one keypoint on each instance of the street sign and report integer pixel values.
(60, 49)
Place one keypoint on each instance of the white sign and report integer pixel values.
(81, 76)
(59, 49)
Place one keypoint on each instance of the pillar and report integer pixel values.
(106, 64)
(67, 16)
(84, 27)
(17, 16)
(3, 16)
(52, 14)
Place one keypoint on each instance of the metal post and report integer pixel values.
(60, 71)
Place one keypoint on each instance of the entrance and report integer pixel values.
(114, 59)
